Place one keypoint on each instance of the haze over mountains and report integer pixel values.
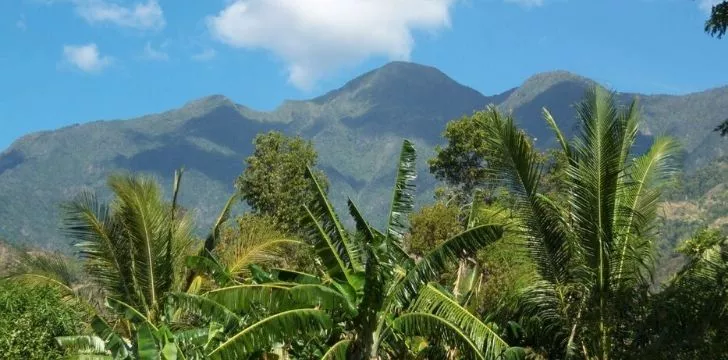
(357, 130)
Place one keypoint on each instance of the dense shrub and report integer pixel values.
(30, 319)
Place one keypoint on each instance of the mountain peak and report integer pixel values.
(538, 84)
(550, 78)
(393, 81)
(208, 102)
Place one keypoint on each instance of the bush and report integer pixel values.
(31, 318)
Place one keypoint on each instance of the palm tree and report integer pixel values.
(593, 252)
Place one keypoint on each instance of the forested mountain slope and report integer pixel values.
(357, 130)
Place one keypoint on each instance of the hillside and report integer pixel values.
(357, 130)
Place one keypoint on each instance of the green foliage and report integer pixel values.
(257, 239)
(31, 318)
(274, 181)
(687, 319)
(717, 23)
(432, 225)
(593, 253)
(462, 163)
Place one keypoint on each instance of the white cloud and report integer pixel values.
(315, 37)
(205, 55)
(707, 5)
(141, 15)
(526, 3)
(86, 57)
(20, 24)
(150, 53)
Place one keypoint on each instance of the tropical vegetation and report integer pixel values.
(523, 254)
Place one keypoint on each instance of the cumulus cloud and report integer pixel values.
(204, 55)
(150, 53)
(707, 5)
(314, 37)
(86, 57)
(140, 15)
(526, 3)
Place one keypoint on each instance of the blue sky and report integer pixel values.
(72, 61)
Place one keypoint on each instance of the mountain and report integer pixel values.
(357, 130)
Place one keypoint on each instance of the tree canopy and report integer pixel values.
(274, 183)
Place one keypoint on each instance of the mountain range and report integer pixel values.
(357, 130)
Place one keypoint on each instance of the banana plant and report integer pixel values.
(368, 272)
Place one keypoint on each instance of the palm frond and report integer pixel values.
(263, 252)
(45, 269)
(565, 147)
(102, 246)
(129, 312)
(596, 177)
(403, 194)
(145, 220)
(639, 200)
(515, 165)
(292, 324)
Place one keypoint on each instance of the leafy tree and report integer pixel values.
(462, 163)
(717, 23)
(274, 182)
(432, 225)
(687, 319)
(716, 26)
(593, 254)
(31, 317)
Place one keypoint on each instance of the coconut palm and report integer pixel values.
(134, 252)
(593, 252)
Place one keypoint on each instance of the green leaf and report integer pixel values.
(276, 328)
(434, 263)
(403, 194)
(435, 327)
(434, 300)
(338, 351)
(147, 347)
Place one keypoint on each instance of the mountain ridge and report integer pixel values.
(357, 130)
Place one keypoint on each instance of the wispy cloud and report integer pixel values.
(147, 15)
(150, 53)
(86, 57)
(526, 3)
(21, 24)
(204, 55)
(315, 37)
